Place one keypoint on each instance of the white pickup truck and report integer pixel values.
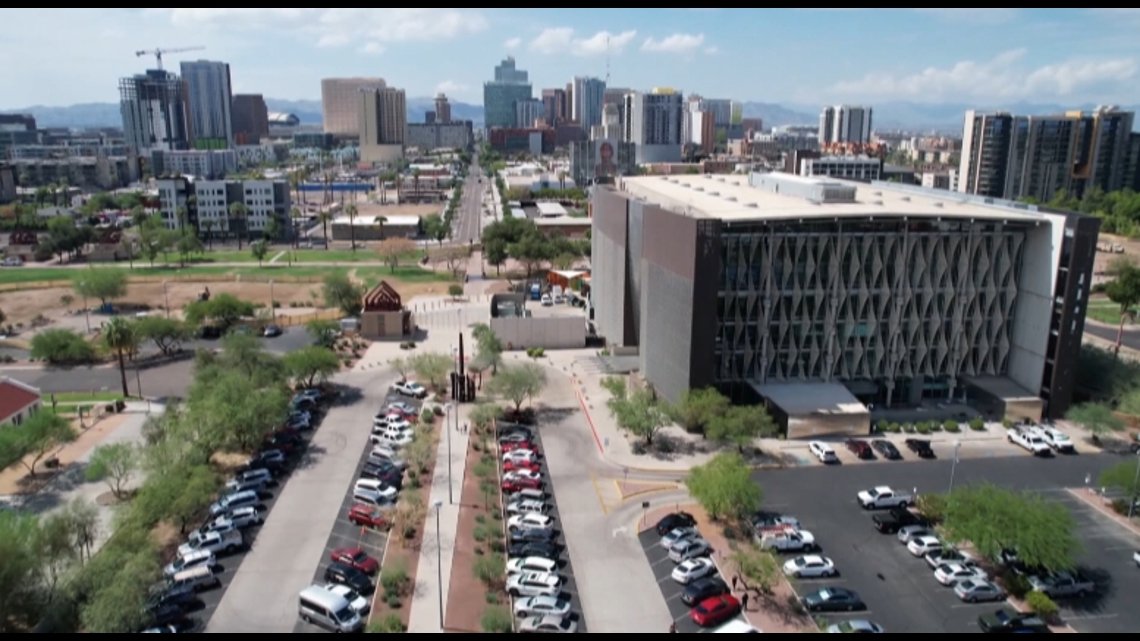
(786, 540)
(1057, 439)
(1063, 584)
(217, 542)
(1030, 438)
(883, 497)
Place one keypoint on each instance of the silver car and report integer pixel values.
(537, 606)
(978, 590)
(548, 624)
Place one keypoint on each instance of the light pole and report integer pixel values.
(166, 298)
(439, 560)
(86, 309)
(454, 409)
(1135, 481)
(954, 465)
(138, 380)
(272, 307)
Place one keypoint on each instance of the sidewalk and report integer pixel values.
(432, 584)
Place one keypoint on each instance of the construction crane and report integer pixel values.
(157, 52)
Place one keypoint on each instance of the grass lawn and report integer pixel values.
(409, 272)
(1105, 311)
(83, 397)
(230, 256)
(405, 273)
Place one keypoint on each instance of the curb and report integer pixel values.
(1084, 496)
(654, 490)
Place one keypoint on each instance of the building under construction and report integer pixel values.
(154, 111)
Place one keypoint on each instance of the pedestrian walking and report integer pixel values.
(672, 627)
(735, 581)
(744, 601)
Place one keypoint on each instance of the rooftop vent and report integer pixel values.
(714, 193)
(906, 199)
(877, 202)
(938, 204)
(753, 205)
(720, 179)
(732, 199)
(877, 193)
(700, 188)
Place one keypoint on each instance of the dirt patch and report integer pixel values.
(229, 461)
(14, 479)
(468, 598)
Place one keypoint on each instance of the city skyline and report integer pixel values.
(824, 56)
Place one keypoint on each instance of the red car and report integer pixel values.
(512, 465)
(368, 516)
(859, 448)
(521, 483)
(715, 610)
(356, 558)
(519, 445)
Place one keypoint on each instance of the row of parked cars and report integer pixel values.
(238, 510)
(343, 602)
(535, 554)
(710, 601)
(871, 450)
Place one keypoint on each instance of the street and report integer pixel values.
(468, 217)
(1131, 338)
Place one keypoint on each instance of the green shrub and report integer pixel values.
(391, 623)
(484, 470)
(496, 619)
(1017, 585)
(394, 579)
(934, 426)
(977, 424)
(480, 518)
(426, 417)
(908, 428)
(922, 428)
(1041, 604)
(393, 601)
(490, 569)
(492, 598)
(62, 347)
(952, 427)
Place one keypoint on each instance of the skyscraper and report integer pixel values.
(382, 124)
(655, 124)
(208, 104)
(442, 109)
(500, 95)
(528, 111)
(153, 110)
(251, 119)
(555, 107)
(340, 104)
(589, 94)
(844, 123)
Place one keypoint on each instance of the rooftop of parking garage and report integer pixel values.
(733, 198)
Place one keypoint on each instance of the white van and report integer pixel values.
(188, 561)
(321, 607)
(198, 578)
(736, 625)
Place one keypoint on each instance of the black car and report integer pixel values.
(833, 599)
(271, 331)
(1009, 621)
(673, 521)
(209, 332)
(543, 549)
(886, 449)
(389, 474)
(181, 595)
(921, 447)
(702, 589)
(890, 522)
(350, 576)
(533, 536)
(164, 612)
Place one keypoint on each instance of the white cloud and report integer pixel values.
(372, 29)
(1005, 77)
(451, 87)
(978, 16)
(512, 43)
(558, 40)
(373, 48)
(676, 43)
(712, 51)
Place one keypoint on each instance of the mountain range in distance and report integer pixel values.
(893, 115)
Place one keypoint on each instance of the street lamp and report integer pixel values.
(1135, 481)
(439, 560)
(166, 298)
(452, 408)
(954, 465)
(272, 307)
(86, 309)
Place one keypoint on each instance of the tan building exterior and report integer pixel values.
(340, 103)
(383, 123)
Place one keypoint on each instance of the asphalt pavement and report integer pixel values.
(1130, 340)
(662, 568)
(468, 227)
(899, 589)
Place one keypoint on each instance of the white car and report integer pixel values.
(923, 545)
(949, 555)
(951, 573)
(693, 569)
(374, 492)
(1136, 558)
(520, 456)
(359, 604)
(534, 584)
(392, 439)
(676, 535)
(823, 452)
(409, 388)
(527, 506)
(689, 549)
(401, 406)
(531, 564)
(862, 626)
(396, 421)
(549, 624)
(530, 521)
(547, 301)
(908, 532)
(238, 518)
(810, 566)
(978, 590)
(529, 475)
(542, 606)
(1057, 439)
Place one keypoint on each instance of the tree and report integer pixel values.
(639, 413)
(225, 309)
(188, 244)
(379, 222)
(451, 255)
(1097, 418)
(259, 250)
(484, 415)
(1122, 477)
(20, 565)
(197, 489)
(62, 347)
(391, 250)
(238, 213)
(312, 364)
(432, 368)
(115, 464)
(531, 250)
(995, 519)
(271, 232)
(119, 337)
(741, 425)
(64, 237)
(435, 228)
(724, 487)
(351, 212)
(154, 238)
(32, 439)
(84, 517)
(455, 290)
(759, 566)
(167, 334)
(323, 331)
(325, 217)
(119, 606)
(489, 349)
(698, 408)
(343, 294)
(518, 383)
(103, 284)
(234, 411)
(565, 260)
(495, 253)
(1124, 290)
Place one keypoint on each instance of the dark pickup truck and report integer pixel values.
(1008, 621)
(890, 522)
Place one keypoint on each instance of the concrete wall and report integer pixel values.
(549, 333)
(608, 260)
(1029, 337)
(376, 325)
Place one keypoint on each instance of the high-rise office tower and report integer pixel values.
(208, 104)
(251, 119)
(655, 124)
(340, 104)
(382, 124)
(589, 95)
(555, 107)
(442, 109)
(500, 95)
(154, 111)
(844, 123)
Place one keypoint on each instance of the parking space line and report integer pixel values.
(598, 492)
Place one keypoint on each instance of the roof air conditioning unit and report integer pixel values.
(877, 202)
(753, 205)
(938, 204)
(906, 199)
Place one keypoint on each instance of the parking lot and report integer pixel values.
(899, 589)
(566, 570)
(662, 568)
(228, 565)
(346, 534)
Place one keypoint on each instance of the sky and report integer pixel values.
(798, 56)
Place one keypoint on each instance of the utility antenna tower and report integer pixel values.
(607, 59)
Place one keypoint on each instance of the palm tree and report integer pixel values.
(238, 213)
(351, 212)
(295, 214)
(182, 213)
(119, 335)
(379, 221)
(208, 227)
(416, 182)
(325, 216)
